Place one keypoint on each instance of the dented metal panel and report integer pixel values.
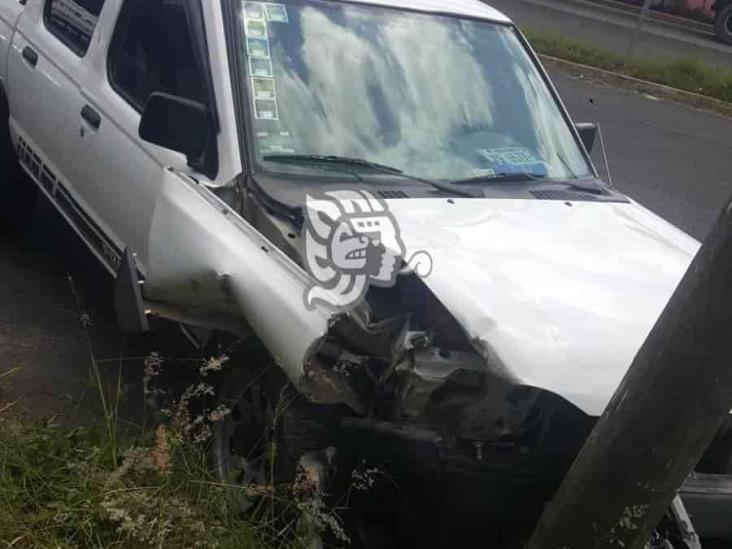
(205, 257)
(554, 295)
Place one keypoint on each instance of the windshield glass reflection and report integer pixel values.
(434, 96)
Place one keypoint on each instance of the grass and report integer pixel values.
(60, 488)
(690, 74)
(114, 484)
(96, 487)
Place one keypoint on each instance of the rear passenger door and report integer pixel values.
(152, 47)
(49, 50)
(9, 13)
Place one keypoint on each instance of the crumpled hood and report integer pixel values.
(559, 296)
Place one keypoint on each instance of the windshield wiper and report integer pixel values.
(575, 184)
(330, 159)
(500, 178)
(578, 184)
(361, 163)
(585, 186)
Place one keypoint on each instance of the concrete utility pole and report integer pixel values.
(645, 12)
(664, 415)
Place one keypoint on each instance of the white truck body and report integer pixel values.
(551, 295)
(130, 199)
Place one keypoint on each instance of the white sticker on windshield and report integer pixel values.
(265, 109)
(484, 172)
(263, 88)
(276, 142)
(276, 13)
(258, 48)
(253, 10)
(510, 160)
(255, 28)
(260, 67)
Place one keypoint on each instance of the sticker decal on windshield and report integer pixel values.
(513, 160)
(276, 142)
(253, 10)
(483, 172)
(265, 109)
(260, 67)
(276, 13)
(255, 28)
(258, 48)
(263, 88)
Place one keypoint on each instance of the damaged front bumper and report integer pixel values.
(433, 382)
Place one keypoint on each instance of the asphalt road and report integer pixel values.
(611, 30)
(669, 157)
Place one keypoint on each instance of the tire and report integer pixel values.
(723, 24)
(266, 413)
(242, 439)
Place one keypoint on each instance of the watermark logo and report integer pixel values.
(353, 241)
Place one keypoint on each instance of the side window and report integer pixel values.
(73, 21)
(152, 51)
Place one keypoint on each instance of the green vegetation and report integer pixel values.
(117, 483)
(60, 488)
(688, 74)
(114, 484)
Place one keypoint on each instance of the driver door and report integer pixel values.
(152, 49)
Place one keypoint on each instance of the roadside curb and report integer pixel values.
(659, 90)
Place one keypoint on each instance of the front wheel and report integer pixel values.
(269, 427)
(723, 24)
(244, 440)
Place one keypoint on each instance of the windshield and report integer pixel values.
(434, 96)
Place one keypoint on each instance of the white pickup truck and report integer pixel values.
(387, 195)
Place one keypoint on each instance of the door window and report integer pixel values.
(153, 51)
(73, 21)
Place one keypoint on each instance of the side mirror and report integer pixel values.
(587, 132)
(176, 123)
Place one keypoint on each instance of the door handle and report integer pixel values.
(91, 117)
(30, 56)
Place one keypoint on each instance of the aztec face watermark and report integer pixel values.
(353, 241)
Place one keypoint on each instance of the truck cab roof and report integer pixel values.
(470, 8)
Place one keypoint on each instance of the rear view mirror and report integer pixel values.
(587, 132)
(176, 123)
